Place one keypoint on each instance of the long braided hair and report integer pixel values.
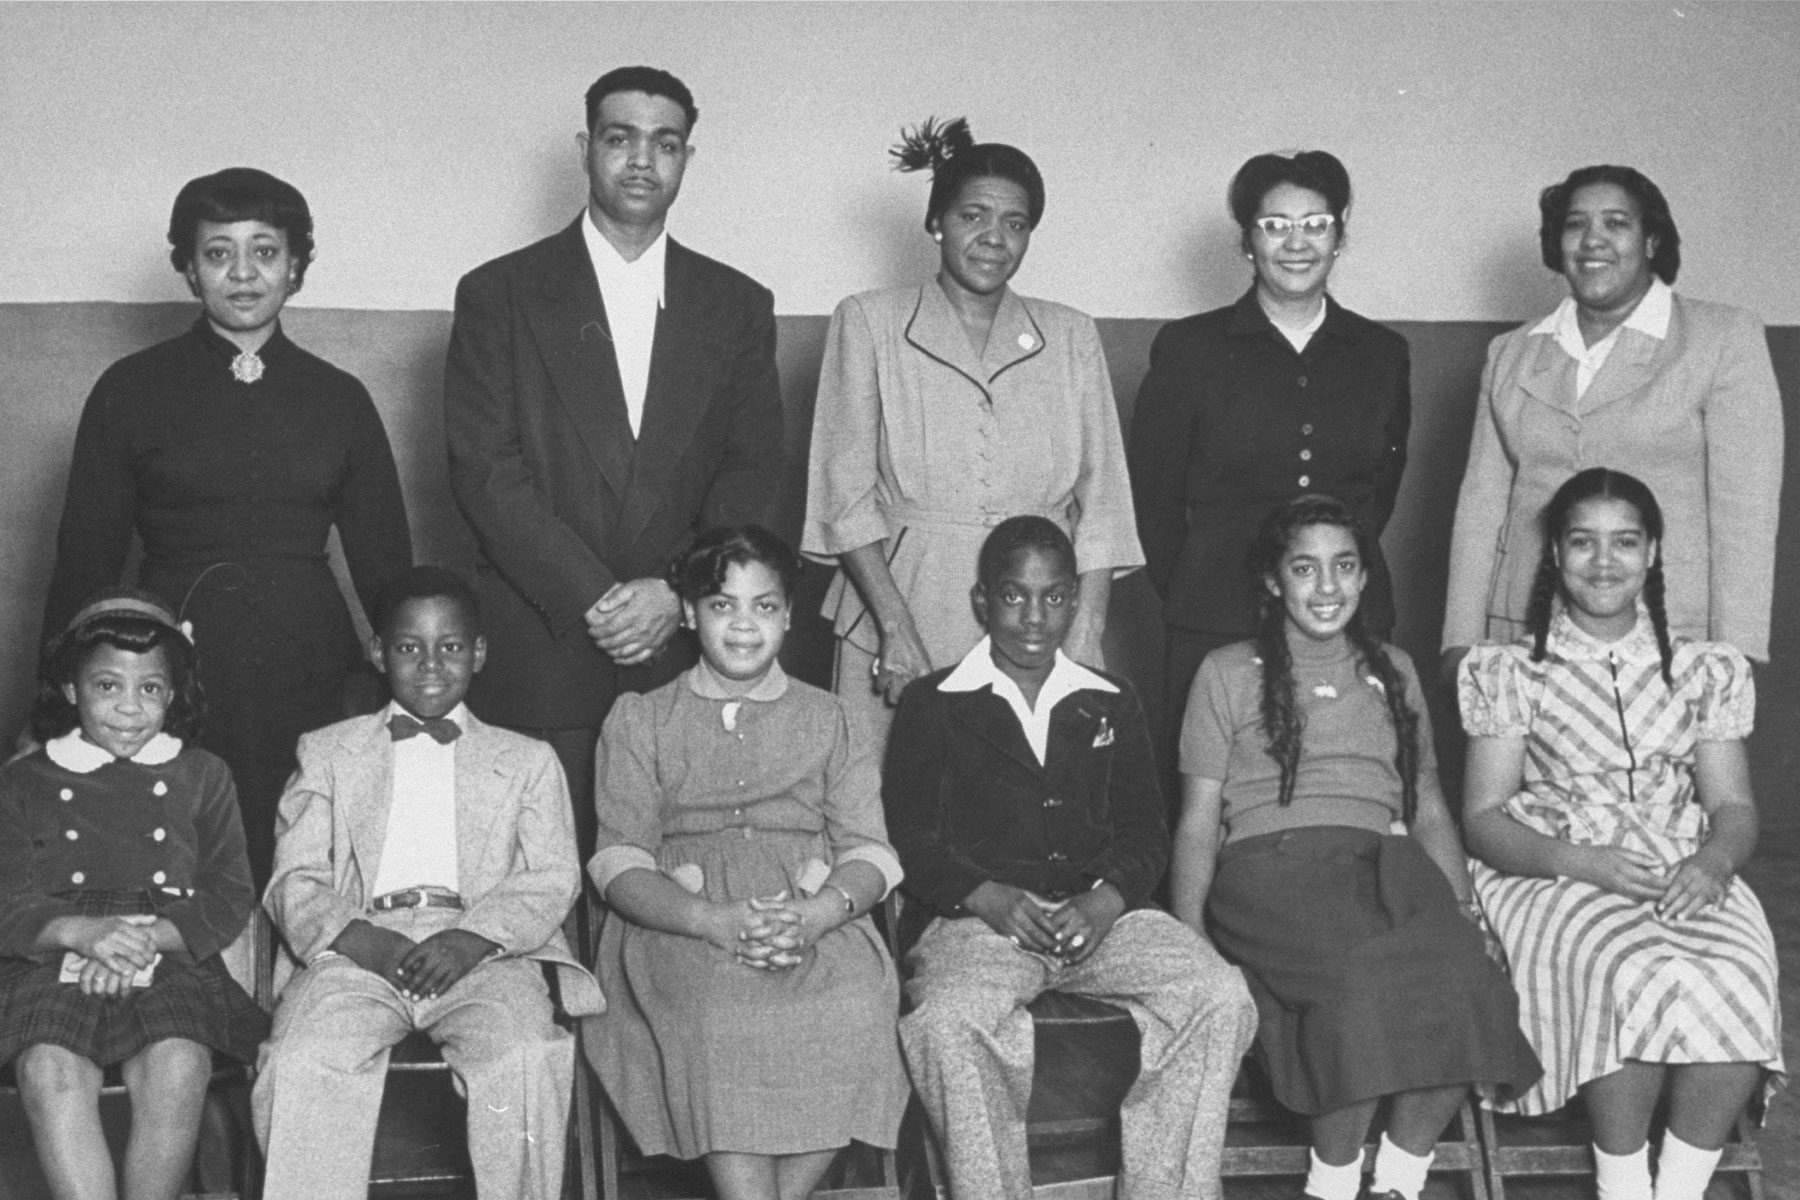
(1282, 722)
(1596, 483)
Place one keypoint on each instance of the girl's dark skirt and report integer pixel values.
(198, 1001)
(1368, 978)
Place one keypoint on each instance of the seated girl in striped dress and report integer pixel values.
(1608, 802)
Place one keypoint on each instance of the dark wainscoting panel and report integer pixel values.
(50, 355)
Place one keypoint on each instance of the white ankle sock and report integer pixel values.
(1682, 1171)
(1334, 1183)
(1398, 1170)
(1622, 1176)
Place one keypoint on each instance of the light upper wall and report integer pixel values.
(431, 137)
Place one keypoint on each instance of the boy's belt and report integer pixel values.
(416, 897)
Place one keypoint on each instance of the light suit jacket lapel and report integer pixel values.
(1548, 373)
(1632, 365)
(568, 319)
(370, 773)
(936, 331)
(477, 808)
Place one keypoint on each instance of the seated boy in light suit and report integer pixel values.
(424, 863)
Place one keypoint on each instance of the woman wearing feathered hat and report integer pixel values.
(945, 407)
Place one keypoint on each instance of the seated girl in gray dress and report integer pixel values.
(741, 845)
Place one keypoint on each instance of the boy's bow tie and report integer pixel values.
(442, 729)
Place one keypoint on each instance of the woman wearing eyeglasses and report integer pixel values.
(1248, 406)
(1629, 375)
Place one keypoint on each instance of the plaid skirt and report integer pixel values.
(1368, 979)
(198, 1001)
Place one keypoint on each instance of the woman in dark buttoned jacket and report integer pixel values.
(1247, 406)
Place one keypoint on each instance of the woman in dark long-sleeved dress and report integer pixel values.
(1247, 406)
(233, 453)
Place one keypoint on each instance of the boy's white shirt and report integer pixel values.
(978, 670)
(420, 847)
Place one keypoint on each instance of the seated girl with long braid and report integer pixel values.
(1340, 886)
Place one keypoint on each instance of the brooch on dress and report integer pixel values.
(247, 367)
(1325, 691)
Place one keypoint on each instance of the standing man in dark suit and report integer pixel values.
(608, 394)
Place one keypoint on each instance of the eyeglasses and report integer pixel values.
(1315, 228)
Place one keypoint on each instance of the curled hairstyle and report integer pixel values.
(652, 81)
(241, 194)
(1316, 170)
(1659, 223)
(1016, 535)
(953, 156)
(128, 619)
(424, 583)
(1282, 722)
(700, 571)
(1597, 483)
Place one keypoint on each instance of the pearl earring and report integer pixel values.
(937, 237)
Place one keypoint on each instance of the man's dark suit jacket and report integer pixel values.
(563, 503)
(967, 801)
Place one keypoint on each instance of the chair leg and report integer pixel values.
(914, 1157)
(890, 1172)
(584, 1131)
(1471, 1143)
(609, 1149)
(1490, 1152)
(1746, 1133)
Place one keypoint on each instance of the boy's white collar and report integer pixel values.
(977, 670)
(72, 752)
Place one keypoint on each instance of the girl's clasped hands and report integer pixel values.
(113, 950)
(771, 933)
(1697, 882)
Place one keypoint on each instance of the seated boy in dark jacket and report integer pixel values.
(1023, 800)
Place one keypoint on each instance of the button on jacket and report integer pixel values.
(1232, 422)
